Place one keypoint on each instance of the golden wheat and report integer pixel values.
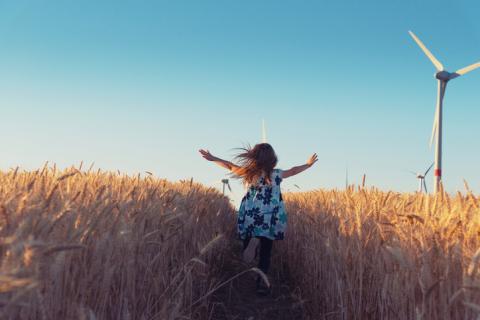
(98, 245)
(368, 254)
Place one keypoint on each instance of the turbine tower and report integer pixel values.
(346, 178)
(264, 132)
(443, 78)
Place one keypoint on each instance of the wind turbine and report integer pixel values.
(226, 182)
(443, 78)
(346, 178)
(264, 132)
(421, 179)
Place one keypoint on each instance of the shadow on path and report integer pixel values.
(239, 301)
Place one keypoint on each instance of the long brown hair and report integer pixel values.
(255, 162)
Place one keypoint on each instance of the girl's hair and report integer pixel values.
(255, 162)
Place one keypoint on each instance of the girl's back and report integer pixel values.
(262, 211)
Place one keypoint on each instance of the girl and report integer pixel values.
(261, 217)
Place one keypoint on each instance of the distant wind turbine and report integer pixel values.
(346, 178)
(226, 182)
(421, 179)
(443, 77)
(264, 132)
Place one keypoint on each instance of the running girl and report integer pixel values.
(261, 216)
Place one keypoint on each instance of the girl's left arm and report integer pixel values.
(222, 163)
(296, 170)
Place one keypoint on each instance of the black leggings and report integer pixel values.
(265, 252)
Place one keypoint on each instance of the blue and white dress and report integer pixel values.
(262, 211)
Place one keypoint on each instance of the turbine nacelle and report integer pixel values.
(445, 75)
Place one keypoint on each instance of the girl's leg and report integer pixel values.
(265, 254)
(245, 243)
(263, 288)
(249, 249)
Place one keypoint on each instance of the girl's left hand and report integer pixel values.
(312, 160)
(207, 155)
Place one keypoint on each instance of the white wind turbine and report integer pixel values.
(421, 179)
(226, 183)
(264, 132)
(443, 77)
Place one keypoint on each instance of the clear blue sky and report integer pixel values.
(142, 85)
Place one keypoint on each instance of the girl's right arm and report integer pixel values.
(296, 170)
(222, 163)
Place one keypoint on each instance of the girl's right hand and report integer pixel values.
(312, 160)
(207, 155)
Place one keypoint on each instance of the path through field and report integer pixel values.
(238, 300)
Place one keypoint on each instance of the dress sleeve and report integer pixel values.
(280, 173)
(278, 176)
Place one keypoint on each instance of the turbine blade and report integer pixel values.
(412, 173)
(426, 172)
(434, 128)
(466, 70)
(229, 188)
(441, 92)
(427, 52)
(264, 132)
(425, 186)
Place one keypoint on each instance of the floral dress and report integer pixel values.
(262, 211)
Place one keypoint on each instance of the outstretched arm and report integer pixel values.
(296, 170)
(222, 163)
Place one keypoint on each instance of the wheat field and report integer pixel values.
(100, 245)
(368, 254)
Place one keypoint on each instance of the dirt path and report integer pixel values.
(238, 300)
